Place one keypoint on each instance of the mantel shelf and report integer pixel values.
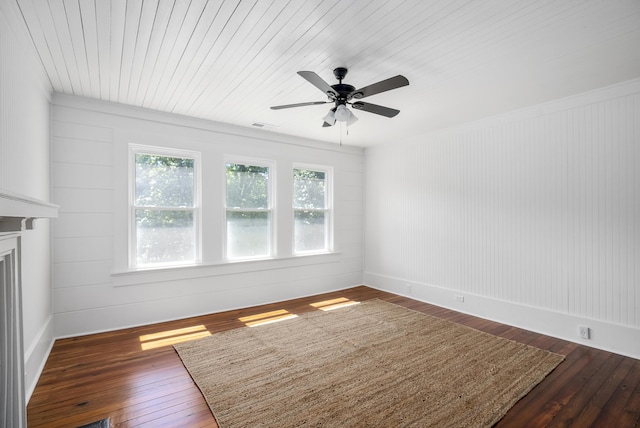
(18, 212)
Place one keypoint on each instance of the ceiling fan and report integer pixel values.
(341, 94)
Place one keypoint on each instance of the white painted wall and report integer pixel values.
(532, 217)
(25, 169)
(93, 290)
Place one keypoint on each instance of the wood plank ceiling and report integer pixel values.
(229, 60)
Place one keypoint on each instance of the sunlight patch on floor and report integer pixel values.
(171, 337)
(267, 317)
(329, 305)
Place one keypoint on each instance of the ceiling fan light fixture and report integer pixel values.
(342, 113)
(352, 119)
(330, 118)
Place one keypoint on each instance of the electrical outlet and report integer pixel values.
(584, 332)
(407, 288)
(459, 298)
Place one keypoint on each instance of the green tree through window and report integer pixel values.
(248, 211)
(164, 209)
(310, 210)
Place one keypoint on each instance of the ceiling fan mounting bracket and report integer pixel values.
(340, 73)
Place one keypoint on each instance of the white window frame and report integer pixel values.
(135, 149)
(328, 210)
(271, 209)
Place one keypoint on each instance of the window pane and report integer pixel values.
(164, 236)
(310, 231)
(248, 234)
(309, 189)
(247, 186)
(163, 181)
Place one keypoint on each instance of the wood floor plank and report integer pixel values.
(159, 409)
(568, 414)
(172, 411)
(110, 375)
(595, 406)
(571, 375)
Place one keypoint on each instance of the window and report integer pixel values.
(164, 207)
(311, 210)
(248, 210)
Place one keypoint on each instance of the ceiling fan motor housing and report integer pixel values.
(344, 91)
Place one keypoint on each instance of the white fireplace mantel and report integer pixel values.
(17, 212)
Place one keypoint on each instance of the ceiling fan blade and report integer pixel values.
(382, 86)
(317, 81)
(312, 103)
(325, 124)
(374, 108)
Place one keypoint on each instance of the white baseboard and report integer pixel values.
(620, 339)
(36, 355)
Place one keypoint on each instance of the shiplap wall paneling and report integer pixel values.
(93, 288)
(83, 186)
(537, 209)
(25, 95)
(604, 211)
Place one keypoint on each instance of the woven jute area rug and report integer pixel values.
(374, 364)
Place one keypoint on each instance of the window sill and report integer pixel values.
(202, 270)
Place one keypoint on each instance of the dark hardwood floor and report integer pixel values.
(135, 377)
